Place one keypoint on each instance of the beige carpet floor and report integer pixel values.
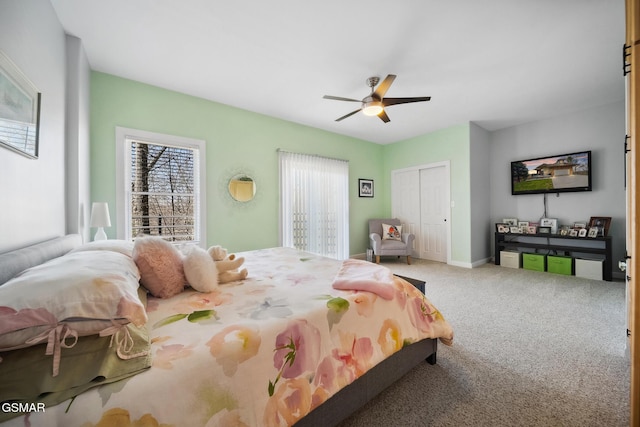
(531, 349)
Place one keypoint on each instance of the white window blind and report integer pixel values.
(162, 185)
(314, 204)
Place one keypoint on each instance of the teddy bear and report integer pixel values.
(227, 265)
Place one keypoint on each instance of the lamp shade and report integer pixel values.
(100, 215)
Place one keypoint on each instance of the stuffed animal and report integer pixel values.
(200, 270)
(227, 265)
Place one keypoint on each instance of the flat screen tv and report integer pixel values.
(554, 174)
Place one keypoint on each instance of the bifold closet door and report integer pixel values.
(420, 199)
(405, 203)
(434, 208)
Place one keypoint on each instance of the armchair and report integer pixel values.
(380, 246)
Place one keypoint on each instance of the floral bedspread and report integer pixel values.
(261, 352)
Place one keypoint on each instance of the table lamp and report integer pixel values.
(100, 218)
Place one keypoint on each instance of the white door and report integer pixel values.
(420, 199)
(434, 213)
(405, 202)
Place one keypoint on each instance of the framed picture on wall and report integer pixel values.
(365, 187)
(19, 110)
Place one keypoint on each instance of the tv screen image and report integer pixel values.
(554, 174)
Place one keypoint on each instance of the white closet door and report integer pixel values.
(434, 213)
(405, 202)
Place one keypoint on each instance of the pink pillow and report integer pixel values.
(160, 266)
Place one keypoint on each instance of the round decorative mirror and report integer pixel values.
(242, 188)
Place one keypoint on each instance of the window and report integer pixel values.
(160, 186)
(314, 204)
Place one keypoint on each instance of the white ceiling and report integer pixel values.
(496, 62)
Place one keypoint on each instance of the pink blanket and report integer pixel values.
(356, 275)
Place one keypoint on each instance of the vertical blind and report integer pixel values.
(314, 204)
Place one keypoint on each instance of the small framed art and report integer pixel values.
(19, 110)
(552, 223)
(543, 229)
(602, 223)
(510, 221)
(365, 187)
(502, 227)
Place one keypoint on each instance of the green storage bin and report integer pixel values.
(534, 262)
(560, 265)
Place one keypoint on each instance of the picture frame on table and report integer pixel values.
(510, 221)
(365, 187)
(582, 232)
(564, 230)
(543, 229)
(573, 232)
(19, 110)
(502, 228)
(550, 222)
(594, 232)
(602, 223)
(532, 229)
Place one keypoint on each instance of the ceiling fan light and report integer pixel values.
(372, 108)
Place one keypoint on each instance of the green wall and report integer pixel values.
(237, 141)
(452, 144)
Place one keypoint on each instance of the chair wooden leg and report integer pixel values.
(409, 259)
(377, 259)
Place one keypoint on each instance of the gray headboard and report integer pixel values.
(12, 263)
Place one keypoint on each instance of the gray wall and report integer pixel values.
(479, 151)
(599, 129)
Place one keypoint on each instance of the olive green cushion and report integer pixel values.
(26, 374)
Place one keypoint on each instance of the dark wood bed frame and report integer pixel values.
(339, 407)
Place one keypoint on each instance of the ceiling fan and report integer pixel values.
(375, 103)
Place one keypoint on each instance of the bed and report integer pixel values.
(281, 347)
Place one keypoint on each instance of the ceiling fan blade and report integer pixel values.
(383, 116)
(339, 98)
(348, 115)
(395, 101)
(384, 86)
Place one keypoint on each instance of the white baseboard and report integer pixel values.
(470, 264)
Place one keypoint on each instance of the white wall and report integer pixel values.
(46, 197)
(600, 130)
(78, 205)
(32, 192)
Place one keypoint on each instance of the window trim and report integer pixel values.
(123, 171)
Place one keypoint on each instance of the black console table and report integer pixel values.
(561, 246)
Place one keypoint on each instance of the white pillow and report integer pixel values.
(125, 247)
(391, 232)
(81, 293)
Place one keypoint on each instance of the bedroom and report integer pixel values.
(76, 166)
